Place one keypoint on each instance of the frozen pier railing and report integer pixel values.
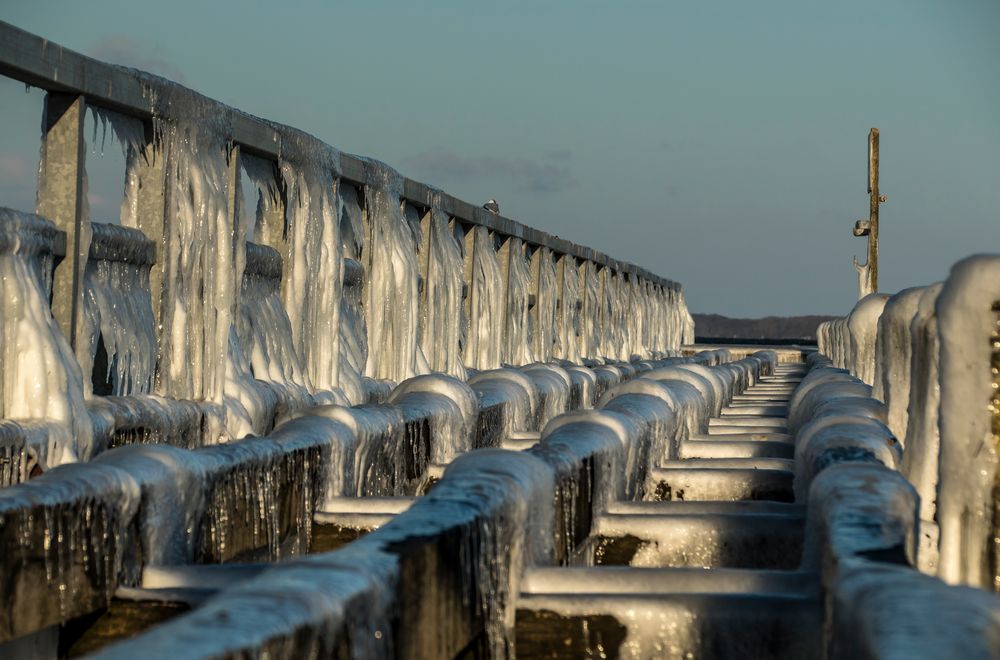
(327, 282)
(337, 413)
(913, 380)
(199, 380)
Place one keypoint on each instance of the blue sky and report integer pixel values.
(718, 143)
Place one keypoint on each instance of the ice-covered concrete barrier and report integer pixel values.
(866, 522)
(249, 499)
(435, 580)
(42, 382)
(968, 512)
(439, 577)
(935, 349)
(850, 342)
(86, 528)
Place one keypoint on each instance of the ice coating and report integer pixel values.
(485, 301)
(893, 347)
(450, 404)
(518, 327)
(940, 621)
(247, 338)
(512, 494)
(587, 432)
(862, 325)
(353, 333)
(619, 347)
(590, 320)
(543, 338)
(583, 393)
(118, 312)
(567, 341)
(117, 299)
(443, 320)
(922, 444)
(391, 295)
(635, 319)
(653, 425)
(553, 384)
(686, 407)
(705, 387)
(41, 377)
(496, 505)
(73, 523)
(376, 461)
(199, 285)
(297, 609)
(265, 335)
(517, 393)
(687, 336)
(173, 482)
(968, 318)
(312, 235)
(850, 341)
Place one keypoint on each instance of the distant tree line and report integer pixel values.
(715, 326)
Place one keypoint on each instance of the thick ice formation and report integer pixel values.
(485, 301)
(590, 320)
(893, 347)
(543, 266)
(312, 285)
(199, 288)
(452, 407)
(518, 329)
(117, 310)
(67, 531)
(353, 334)
(553, 385)
(391, 296)
(516, 392)
(40, 375)
(567, 342)
(442, 317)
(922, 445)
(968, 316)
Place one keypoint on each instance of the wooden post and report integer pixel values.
(873, 200)
(868, 271)
(62, 198)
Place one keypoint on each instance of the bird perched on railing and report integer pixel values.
(492, 206)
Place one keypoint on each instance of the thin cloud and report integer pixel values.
(546, 175)
(128, 51)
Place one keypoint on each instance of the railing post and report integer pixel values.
(504, 256)
(149, 167)
(62, 198)
(472, 292)
(425, 261)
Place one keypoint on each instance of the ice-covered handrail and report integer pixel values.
(42, 63)
(865, 535)
(932, 354)
(344, 277)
